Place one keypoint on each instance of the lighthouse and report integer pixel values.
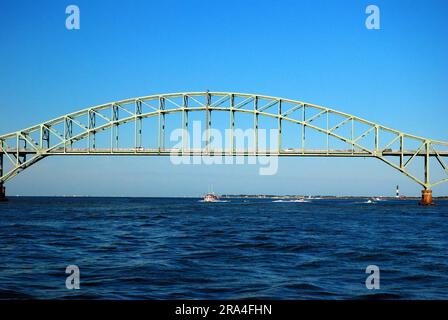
(397, 195)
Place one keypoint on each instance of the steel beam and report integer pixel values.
(22, 143)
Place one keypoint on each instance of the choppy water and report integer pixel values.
(185, 249)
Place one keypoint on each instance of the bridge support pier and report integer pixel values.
(2, 193)
(426, 198)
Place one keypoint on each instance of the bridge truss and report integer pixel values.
(78, 133)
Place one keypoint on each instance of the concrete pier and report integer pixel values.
(426, 198)
(2, 193)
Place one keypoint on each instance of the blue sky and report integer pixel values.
(316, 51)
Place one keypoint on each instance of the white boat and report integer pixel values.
(211, 197)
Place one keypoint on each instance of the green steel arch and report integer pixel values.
(62, 136)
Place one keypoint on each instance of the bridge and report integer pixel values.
(139, 127)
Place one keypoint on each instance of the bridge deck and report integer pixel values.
(218, 152)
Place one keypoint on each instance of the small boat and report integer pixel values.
(211, 197)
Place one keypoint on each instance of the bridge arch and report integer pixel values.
(21, 149)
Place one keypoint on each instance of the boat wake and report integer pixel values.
(289, 201)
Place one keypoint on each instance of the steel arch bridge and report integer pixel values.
(76, 133)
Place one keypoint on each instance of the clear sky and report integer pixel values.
(316, 51)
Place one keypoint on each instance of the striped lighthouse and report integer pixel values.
(397, 195)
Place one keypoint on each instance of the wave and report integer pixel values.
(14, 295)
(304, 286)
(289, 201)
(366, 202)
(380, 296)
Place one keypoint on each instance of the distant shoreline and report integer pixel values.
(238, 196)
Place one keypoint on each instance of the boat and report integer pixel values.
(211, 197)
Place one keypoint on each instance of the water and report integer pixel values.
(185, 249)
